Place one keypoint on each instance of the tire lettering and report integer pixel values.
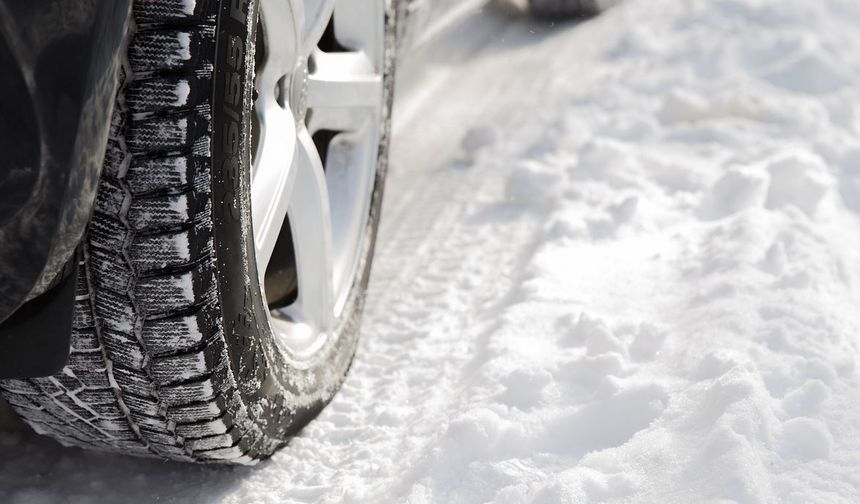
(232, 106)
(230, 169)
(233, 89)
(231, 139)
(235, 52)
(237, 10)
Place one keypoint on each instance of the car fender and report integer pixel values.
(60, 60)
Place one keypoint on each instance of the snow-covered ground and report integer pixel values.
(620, 262)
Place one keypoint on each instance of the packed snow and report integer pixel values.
(620, 262)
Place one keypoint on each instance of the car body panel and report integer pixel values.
(60, 61)
(36, 339)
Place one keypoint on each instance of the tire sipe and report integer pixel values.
(174, 354)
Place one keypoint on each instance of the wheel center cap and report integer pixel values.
(299, 90)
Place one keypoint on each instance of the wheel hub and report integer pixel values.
(299, 87)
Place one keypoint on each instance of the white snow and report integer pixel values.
(183, 52)
(188, 6)
(182, 92)
(620, 262)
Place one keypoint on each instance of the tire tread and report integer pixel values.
(148, 373)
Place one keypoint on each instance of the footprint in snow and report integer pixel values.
(809, 72)
(525, 388)
(849, 180)
(582, 376)
(605, 423)
(798, 179)
(737, 190)
(806, 399)
(578, 331)
(805, 438)
(647, 343)
(478, 139)
(617, 215)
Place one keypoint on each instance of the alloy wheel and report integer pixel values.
(318, 108)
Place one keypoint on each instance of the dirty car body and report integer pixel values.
(61, 59)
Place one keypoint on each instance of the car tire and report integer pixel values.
(176, 347)
(555, 9)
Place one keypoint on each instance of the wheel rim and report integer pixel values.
(316, 140)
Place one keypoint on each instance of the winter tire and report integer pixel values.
(553, 9)
(223, 272)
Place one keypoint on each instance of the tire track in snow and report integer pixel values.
(440, 264)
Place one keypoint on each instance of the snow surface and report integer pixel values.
(619, 263)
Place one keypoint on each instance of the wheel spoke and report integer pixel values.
(272, 175)
(349, 188)
(317, 14)
(359, 26)
(310, 221)
(343, 91)
(282, 45)
(344, 80)
(273, 180)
